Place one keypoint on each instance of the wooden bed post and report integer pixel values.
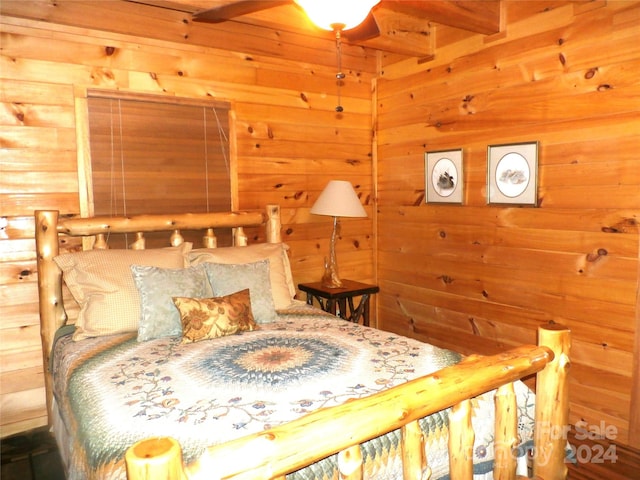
(461, 438)
(52, 314)
(155, 458)
(274, 225)
(506, 433)
(414, 462)
(552, 405)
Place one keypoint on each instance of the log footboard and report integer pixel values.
(273, 453)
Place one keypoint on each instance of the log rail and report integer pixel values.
(273, 453)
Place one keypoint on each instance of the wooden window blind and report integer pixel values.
(152, 156)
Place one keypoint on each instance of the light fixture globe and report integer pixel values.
(337, 14)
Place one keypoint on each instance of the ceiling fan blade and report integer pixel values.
(232, 10)
(367, 30)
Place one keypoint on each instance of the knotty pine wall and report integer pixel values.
(290, 142)
(479, 278)
(472, 277)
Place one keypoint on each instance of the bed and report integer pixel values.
(282, 390)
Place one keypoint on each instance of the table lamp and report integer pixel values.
(338, 199)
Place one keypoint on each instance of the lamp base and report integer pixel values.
(330, 278)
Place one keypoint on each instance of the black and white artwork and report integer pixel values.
(512, 174)
(444, 177)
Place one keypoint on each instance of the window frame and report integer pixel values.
(83, 142)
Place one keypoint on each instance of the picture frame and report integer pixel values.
(512, 174)
(444, 176)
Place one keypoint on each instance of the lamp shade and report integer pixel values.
(339, 199)
(341, 14)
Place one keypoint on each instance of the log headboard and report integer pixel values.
(51, 228)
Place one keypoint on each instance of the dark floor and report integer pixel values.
(30, 456)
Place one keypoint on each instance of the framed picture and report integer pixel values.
(512, 174)
(443, 176)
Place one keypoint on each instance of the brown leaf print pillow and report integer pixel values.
(207, 318)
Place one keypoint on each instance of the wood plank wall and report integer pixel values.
(471, 277)
(478, 278)
(290, 141)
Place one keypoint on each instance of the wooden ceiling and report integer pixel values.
(405, 25)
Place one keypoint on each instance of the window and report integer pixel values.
(152, 156)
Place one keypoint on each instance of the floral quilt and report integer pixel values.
(112, 391)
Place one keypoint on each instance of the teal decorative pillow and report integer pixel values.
(159, 316)
(226, 279)
(282, 286)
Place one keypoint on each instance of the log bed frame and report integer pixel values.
(341, 429)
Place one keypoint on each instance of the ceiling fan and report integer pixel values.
(479, 16)
(354, 20)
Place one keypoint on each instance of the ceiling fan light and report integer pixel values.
(337, 14)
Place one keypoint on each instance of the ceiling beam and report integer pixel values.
(478, 16)
(401, 34)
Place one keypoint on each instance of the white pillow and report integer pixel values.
(102, 283)
(282, 287)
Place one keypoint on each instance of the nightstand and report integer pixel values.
(340, 301)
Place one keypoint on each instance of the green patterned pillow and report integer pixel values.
(207, 318)
(156, 286)
(226, 279)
